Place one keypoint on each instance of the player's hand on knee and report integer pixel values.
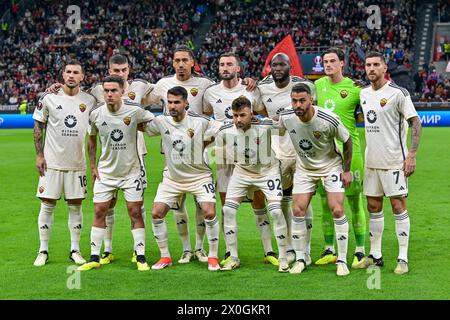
(54, 88)
(41, 165)
(346, 178)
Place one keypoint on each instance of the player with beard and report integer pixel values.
(217, 102)
(275, 97)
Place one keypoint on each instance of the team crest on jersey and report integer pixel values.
(257, 140)
(82, 107)
(344, 94)
(127, 120)
(317, 134)
(190, 132)
(131, 95)
(194, 92)
(39, 106)
(41, 189)
(383, 102)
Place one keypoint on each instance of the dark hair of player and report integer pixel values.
(184, 48)
(301, 87)
(178, 91)
(240, 103)
(374, 54)
(114, 78)
(118, 59)
(340, 54)
(73, 62)
(231, 54)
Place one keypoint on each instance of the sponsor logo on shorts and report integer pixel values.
(131, 95)
(82, 107)
(127, 120)
(194, 92)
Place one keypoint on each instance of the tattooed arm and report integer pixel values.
(41, 164)
(410, 162)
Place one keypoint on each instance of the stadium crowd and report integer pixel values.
(430, 86)
(40, 41)
(252, 31)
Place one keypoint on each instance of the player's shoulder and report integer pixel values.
(287, 112)
(166, 79)
(213, 87)
(197, 116)
(298, 79)
(96, 109)
(262, 122)
(328, 116)
(226, 126)
(398, 89)
(138, 80)
(265, 81)
(132, 104)
(203, 78)
(86, 95)
(44, 96)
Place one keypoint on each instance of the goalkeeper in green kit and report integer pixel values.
(340, 95)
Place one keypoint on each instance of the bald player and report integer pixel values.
(275, 97)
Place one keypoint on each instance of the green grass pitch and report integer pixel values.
(428, 205)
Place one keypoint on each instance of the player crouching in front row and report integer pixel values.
(255, 168)
(184, 137)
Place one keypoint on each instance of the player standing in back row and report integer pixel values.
(387, 111)
(341, 96)
(217, 102)
(276, 97)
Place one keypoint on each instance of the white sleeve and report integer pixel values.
(406, 107)
(341, 133)
(144, 116)
(41, 111)
(152, 127)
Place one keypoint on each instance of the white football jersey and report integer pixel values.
(195, 87)
(117, 131)
(217, 99)
(314, 140)
(275, 100)
(138, 90)
(183, 145)
(386, 112)
(250, 151)
(67, 121)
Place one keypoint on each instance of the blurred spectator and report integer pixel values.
(256, 27)
(39, 43)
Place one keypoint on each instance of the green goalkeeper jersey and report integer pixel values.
(343, 99)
